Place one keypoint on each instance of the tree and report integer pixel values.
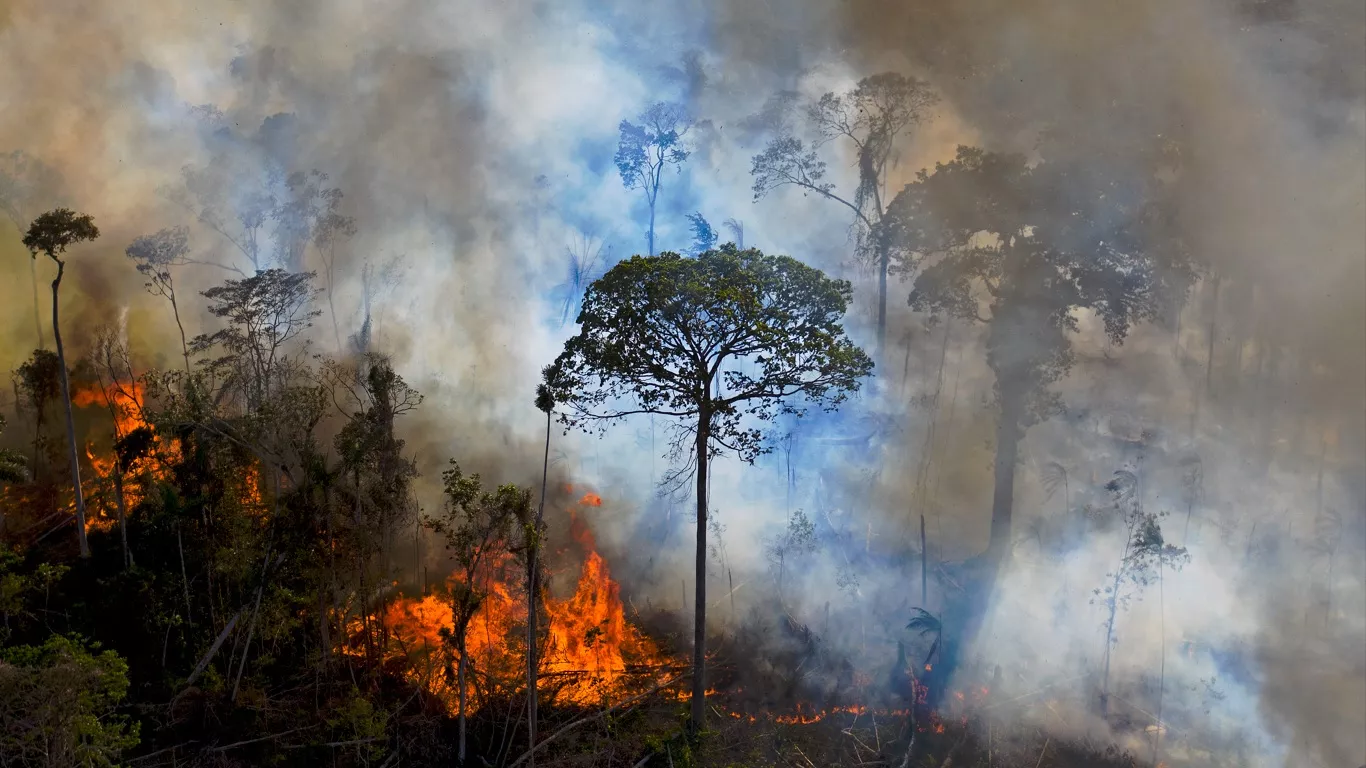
(870, 118)
(59, 701)
(265, 312)
(52, 233)
(647, 148)
(154, 256)
(711, 341)
(545, 402)
(1145, 554)
(477, 527)
(584, 257)
(703, 236)
(1035, 246)
(26, 181)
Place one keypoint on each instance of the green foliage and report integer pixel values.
(57, 705)
(476, 526)
(356, 723)
(730, 334)
(13, 467)
(55, 231)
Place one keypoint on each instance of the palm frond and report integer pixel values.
(1053, 477)
(924, 622)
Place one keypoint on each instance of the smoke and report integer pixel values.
(473, 143)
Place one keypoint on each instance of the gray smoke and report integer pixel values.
(473, 143)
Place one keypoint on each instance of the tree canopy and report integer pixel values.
(737, 332)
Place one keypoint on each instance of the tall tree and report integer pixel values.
(26, 181)
(1034, 247)
(724, 342)
(869, 118)
(545, 402)
(52, 233)
(646, 148)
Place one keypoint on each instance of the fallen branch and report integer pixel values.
(271, 737)
(591, 718)
(213, 650)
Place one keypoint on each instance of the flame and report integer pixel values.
(124, 401)
(589, 649)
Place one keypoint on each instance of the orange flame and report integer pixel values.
(124, 402)
(589, 648)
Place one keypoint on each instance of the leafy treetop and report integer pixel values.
(724, 335)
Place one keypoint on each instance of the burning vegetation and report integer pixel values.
(991, 499)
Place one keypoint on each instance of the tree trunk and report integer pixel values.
(1008, 434)
(532, 601)
(70, 418)
(123, 514)
(882, 266)
(184, 347)
(1109, 643)
(699, 682)
(460, 675)
(650, 235)
(37, 316)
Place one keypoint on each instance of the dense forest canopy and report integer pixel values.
(959, 382)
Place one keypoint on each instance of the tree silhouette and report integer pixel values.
(1034, 246)
(646, 148)
(27, 181)
(154, 256)
(52, 233)
(869, 118)
(710, 341)
(703, 236)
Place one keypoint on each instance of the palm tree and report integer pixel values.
(52, 233)
(926, 624)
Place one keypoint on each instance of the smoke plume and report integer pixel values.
(473, 144)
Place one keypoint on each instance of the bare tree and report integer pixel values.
(52, 233)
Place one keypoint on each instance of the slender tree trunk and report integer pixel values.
(532, 601)
(1002, 502)
(70, 418)
(882, 266)
(1162, 666)
(699, 654)
(460, 675)
(185, 581)
(924, 568)
(123, 514)
(37, 315)
(1110, 641)
(650, 235)
(184, 346)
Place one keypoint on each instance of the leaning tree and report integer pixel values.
(723, 342)
(52, 233)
